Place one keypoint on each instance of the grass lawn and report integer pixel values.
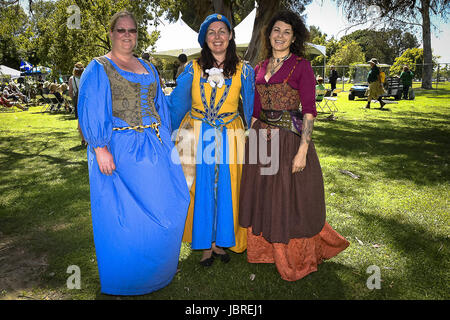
(396, 215)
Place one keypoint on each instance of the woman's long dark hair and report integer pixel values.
(206, 60)
(301, 33)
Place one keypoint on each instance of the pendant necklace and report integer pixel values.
(279, 61)
(218, 65)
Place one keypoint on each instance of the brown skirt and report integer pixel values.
(281, 206)
(285, 212)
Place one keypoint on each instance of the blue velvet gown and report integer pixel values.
(138, 213)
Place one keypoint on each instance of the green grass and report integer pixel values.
(396, 215)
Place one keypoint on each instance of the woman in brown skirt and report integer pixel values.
(282, 200)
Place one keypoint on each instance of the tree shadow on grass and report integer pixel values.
(43, 187)
(403, 152)
(48, 216)
(426, 254)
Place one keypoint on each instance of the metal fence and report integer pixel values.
(441, 74)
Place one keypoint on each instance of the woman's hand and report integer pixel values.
(105, 160)
(299, 162)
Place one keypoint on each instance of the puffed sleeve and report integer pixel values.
(161, 102)
(247, 91)
(180, 100)
(95, 105)
(307, 88)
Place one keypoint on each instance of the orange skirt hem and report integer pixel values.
(300, 256)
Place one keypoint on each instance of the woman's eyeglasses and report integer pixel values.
(122, 31)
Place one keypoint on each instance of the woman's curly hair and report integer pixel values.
(301, 33)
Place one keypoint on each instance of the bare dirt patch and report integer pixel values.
(20, 270)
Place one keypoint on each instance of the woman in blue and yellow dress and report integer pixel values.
(139, 196)
(211, 139)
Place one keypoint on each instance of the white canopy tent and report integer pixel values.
(179, 38)
(176, 38)
(7, 71)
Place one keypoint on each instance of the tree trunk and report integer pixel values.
(266, 9)
(224, 8)
(427, 53)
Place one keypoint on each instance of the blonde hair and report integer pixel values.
(123, 14)
(53, 87)
(63, 87)
(118, 15)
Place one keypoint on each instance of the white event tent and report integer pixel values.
(7, 71)
(176, 38)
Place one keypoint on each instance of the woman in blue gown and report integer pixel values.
(139, 196)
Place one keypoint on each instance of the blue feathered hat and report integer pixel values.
(204, 27)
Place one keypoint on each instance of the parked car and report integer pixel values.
(392, 84)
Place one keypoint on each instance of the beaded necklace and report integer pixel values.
(279, 61)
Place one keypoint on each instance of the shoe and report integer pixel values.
(225, 258)
(207, 262)
(367, 106)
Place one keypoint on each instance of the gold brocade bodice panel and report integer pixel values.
(201, 87)
(127, 102)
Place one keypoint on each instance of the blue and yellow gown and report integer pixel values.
(210, 140)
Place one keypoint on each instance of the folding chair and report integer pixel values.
(320, 103)
(330, 101)
(56, 103)
(38, 99)
(48, 103)
(68, 103)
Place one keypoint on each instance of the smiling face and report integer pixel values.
(126, 41)
(281, 37)
(218, 37)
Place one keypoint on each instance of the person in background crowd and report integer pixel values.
(319, 86)
(375, 89)
(182, 59)
(406, 77)
(333, 77)
(74, 85)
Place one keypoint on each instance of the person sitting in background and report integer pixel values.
(54, 90)
(319, 86)
(4, 102)
(45, 89)
(40, 88)
(63, 88)
(11, 92)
